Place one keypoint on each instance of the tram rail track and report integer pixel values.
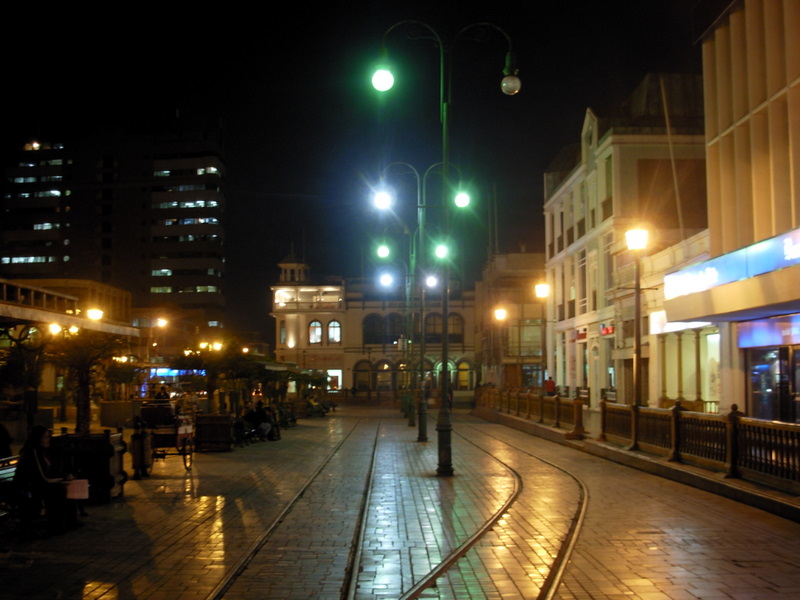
(240, 567)
(350, 583)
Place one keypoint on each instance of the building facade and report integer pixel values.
(748, 285)
(367, 338)
(510, 321)
(643, 166)
(141, 213)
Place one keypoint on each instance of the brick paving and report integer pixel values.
(178, 535)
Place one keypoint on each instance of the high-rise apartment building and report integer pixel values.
(142, 213)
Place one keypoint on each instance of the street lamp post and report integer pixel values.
(542, 291)
(416, 272)
(637, 241)
(510, 85)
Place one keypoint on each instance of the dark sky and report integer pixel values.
(305, 133)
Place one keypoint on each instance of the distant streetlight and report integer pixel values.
(637, 241)
(95, 314)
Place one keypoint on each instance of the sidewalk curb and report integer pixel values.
(772, 501)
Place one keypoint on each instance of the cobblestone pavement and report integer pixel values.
(177, 535)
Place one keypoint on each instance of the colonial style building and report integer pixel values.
(643, 166)
(366, 337)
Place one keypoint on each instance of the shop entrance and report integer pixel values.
(774, 383)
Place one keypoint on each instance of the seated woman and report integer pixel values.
(41, 483)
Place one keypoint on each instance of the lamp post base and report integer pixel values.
(444, 430)
(422, 435)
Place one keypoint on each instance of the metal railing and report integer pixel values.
(553, 410)
(767, 452)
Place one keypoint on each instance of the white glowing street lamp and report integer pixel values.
(510, 85)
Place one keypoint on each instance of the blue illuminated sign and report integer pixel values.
(780, 331)
(766, 256)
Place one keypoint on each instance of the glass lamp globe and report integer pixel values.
(510, 85)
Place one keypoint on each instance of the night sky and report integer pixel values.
(305, 134)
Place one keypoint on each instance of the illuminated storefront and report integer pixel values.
(752, 294)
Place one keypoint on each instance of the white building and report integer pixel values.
(643, 166)
(751, 64)
(367, 338)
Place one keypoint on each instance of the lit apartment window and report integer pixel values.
(26, 260)
(192, 187)
(161, 272)
(315, 332)
(48, 194)
(161, 290)
(200, 221)
(334, 332)
(161, 174)
(44, 226)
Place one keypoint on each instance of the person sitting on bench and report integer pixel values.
(41, 483)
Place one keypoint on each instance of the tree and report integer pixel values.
(22, 364)
(119, 374)
(81, 355)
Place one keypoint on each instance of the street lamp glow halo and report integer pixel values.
(542, 290)
(382, 79)
(462, 199)
(500, 314)
(382, 199)
(636, 238)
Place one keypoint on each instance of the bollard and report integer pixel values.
(141, 451)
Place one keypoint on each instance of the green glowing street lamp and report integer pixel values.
(462, 200)
(510, 85)
(382, 79)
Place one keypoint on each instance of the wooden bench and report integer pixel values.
(8, 492)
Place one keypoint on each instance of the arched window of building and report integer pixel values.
(463, 375)
(315, 332)
(455, 329)
(334, 332)
(383, 375)
(433, 328)
(395, 328)
(361, 374)
(373, 329)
